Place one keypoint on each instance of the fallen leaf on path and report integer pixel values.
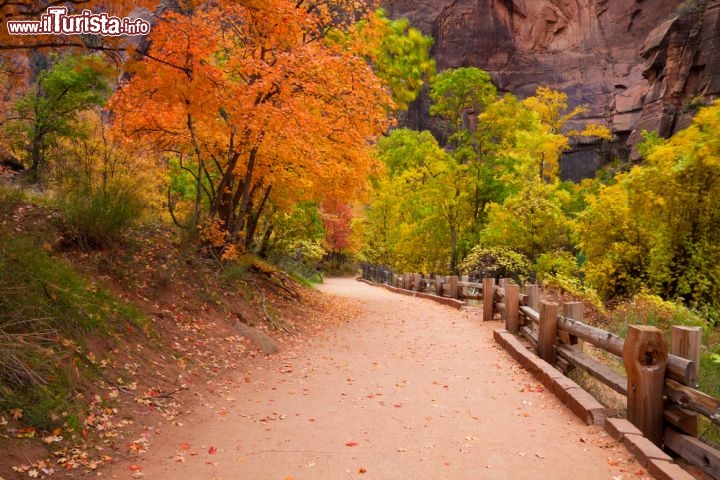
(52, 439)
(212, 450)
(362, 470)
(351, 444)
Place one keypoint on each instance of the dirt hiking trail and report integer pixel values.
(403, 388)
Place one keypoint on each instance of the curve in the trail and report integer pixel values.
(403, 389)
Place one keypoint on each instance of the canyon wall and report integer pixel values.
(637, 64)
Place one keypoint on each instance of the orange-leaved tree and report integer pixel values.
(259, 102)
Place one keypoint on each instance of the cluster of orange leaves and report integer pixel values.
(265, 92)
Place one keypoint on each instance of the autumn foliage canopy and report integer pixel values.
(261, 103)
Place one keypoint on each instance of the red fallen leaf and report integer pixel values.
(397, 405)
(212, 450)
(84, 432)
(640, 472)
(135, 468)
(362, 470)
(351, 444)
(185, 446)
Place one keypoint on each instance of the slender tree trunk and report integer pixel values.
(265, 244)
(453, 249)
(255, 218)
(36, 155)
(198, 186)
(246, 191)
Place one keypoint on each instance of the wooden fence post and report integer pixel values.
(685, 342)
(548, 331)
(512, 308)
(645, 356)
(488, 299)
(533, 294)
(573, 311)
(417, 282)
(453, 287)
(439, 280)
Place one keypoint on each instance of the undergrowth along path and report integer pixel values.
(402, 388)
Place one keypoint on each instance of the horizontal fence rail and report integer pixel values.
(660, 380)
(459, 288)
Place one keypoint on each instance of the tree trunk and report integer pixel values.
(255, 218)
(453, 249)
(198, 186)
(265, 244)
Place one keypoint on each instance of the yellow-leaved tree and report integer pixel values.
(658, 225)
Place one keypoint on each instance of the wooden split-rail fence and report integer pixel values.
(459, 288)
(660, 380)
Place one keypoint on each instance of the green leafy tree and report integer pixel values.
(400, 55)
(420, 208)
(50, 109)
(459, 95)
(530, 222)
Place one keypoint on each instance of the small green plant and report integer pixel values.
(98, 217)
(46, 312)
(649, 309)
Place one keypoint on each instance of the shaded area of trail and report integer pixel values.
(403, 389)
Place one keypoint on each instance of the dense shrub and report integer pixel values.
(497, 262)
(98, 217)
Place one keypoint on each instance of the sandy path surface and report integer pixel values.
(407, 389)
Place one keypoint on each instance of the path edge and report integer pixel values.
(450, 302)
(592, 412)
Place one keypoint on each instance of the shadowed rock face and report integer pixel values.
(637, 64)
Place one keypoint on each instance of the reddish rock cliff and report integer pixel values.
(638, 64)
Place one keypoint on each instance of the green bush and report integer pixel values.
(98, 217)
(497, 262)
(556, 264)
